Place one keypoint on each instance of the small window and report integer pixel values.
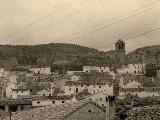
(89, 111)
(22, 91)
(99, 86)
(17, 92)
(53, 102)
(81, 85)
(63, 101)
(38, 102)
(100, 99)
(87, 85)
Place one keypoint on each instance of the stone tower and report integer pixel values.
(120, 51)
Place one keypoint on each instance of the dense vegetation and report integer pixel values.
(48, 53)
(148, 54)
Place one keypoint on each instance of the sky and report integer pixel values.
(92, 23)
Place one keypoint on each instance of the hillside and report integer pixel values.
(48, 53)
(148, 54)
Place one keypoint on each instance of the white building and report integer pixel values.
(3, 72)
(41, 70)
(44, 92)
(72, 87)
(9, 90)
(134, 69)
(95, 68)
(16, 93)
(129, 84)
(54, 100)
(13, 79)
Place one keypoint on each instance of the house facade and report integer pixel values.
(133, 69)
(3, 72)
(17, 93)
(44, 92)
(140, 92)
(95, 68)
(41, 70)
(52, 100)
(81, 110)
(72, 87)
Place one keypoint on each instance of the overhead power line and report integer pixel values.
(133, 37)
(67, 16)
(38, 20)
(107, 26)
(113, 18)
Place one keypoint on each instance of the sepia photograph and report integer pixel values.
(79, 59)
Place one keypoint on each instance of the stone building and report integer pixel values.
(4, 72)
(96, 68)
(118, 56)
(140, 92)
(72, 87)
(133, 69)
(51, 100)
(82, 110)
(41, 70)
(17, 93)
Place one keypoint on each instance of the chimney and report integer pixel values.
(110, 108)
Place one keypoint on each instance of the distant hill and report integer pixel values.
(48, 53)
(148, 54)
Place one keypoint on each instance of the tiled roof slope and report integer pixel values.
(144, 113)
(56, 112)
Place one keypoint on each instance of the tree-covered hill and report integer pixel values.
(31, 54)
(148, 54)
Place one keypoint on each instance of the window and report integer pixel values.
(38, 102)
(81, 85)
(99, 86)
(63, 101)
(17, 92)
(100, 99)
(87, 85)
(76, 90)
(53, 102)
(89, 110)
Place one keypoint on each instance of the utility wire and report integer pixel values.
(133, 37)
(38, 20)
(70, 15)
(113, 18)
(107, 26)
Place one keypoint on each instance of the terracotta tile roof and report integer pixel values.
(15, 102)
(68, 83)
(56, 112)
(144, 113)
(140, 89)
(63, 97)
